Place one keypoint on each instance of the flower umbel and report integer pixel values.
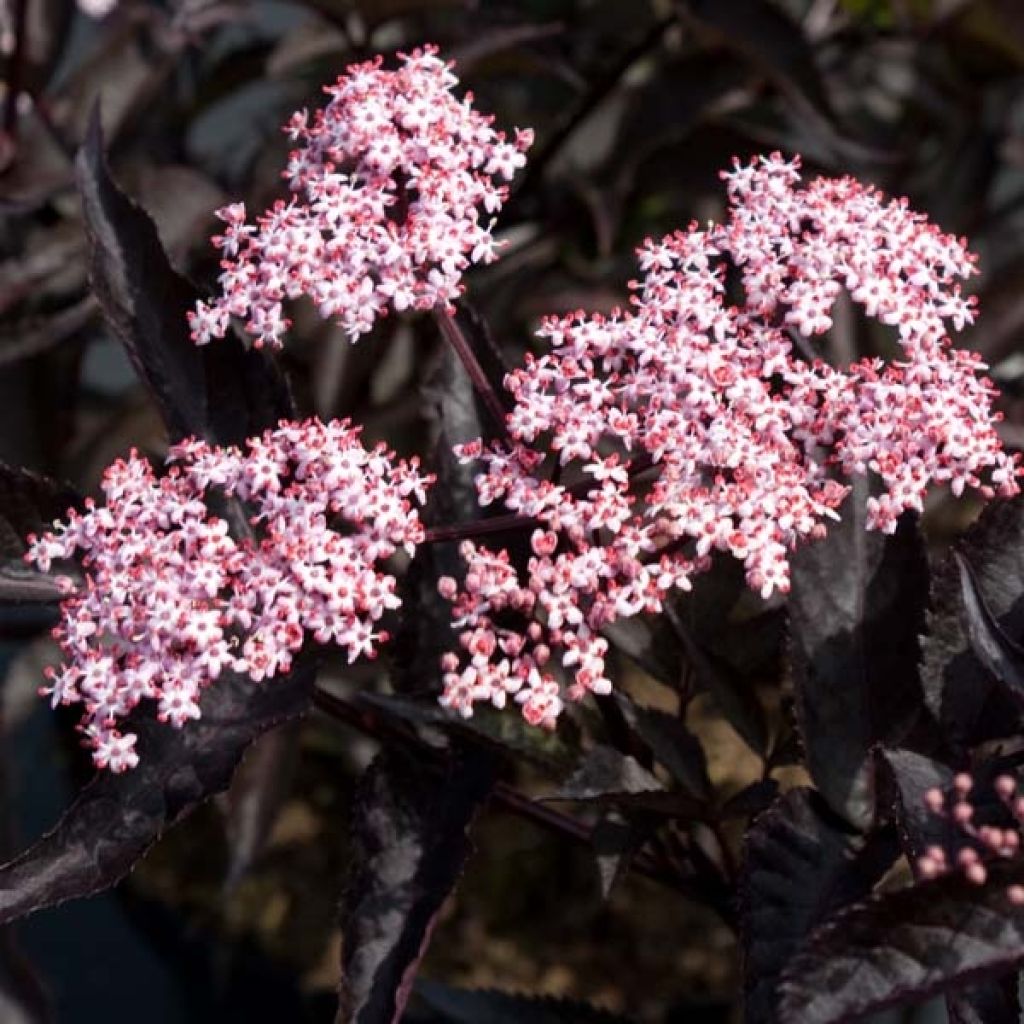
(172, 597)
(395, 185)
(643, 441)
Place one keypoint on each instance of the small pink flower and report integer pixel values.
(172, 598)
(388, 185)
(689, 425)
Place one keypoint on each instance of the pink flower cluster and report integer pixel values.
(172, 596)
(641, 442)
(992, 841)
(394, 182)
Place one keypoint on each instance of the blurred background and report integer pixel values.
(637, 107)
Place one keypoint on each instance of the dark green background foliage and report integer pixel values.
(729, 836)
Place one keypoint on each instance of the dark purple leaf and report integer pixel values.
(605, 776)
(801, 863)
(221, 392)
(731, 644)
(751, 800)
(1000, 655)
(551, 752)
(856, 611)
(410, 830)
(671, 744)
(906, 946)
(670, 105)
(23, 996)
(733, 695)
(462, 1006)
(651, 644)
(991, 1002)
(968, 701)
(143, 299)
(410, 843)
(116, 818)
(912, 775)
(614, 840)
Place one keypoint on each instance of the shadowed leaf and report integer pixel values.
(903, 947)
(257, 793)
(764, 34)
(462, 1006)
(1003, 657)
(116, 818)
(991, 1002)
(504, 731)
(672, 745)
(856, 611)
(605, 776)
(801, 864)
(410, 839)
(221, 392)
(960, 691)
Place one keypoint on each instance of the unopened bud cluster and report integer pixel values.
(980, 842)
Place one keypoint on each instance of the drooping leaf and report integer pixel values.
(856, 610)
(221, 392)
(116, 818)
(143, 299)
(257, 793)
(614, 840)
(801, 863)
(672, 745)
(605, 776)
(411, 842)
(903, 947)
(552, 752)
(462, 1006)
(1001, 656)
(912, 776)
(969, 703)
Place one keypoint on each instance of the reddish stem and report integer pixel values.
(478, 528)
(464, 350)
